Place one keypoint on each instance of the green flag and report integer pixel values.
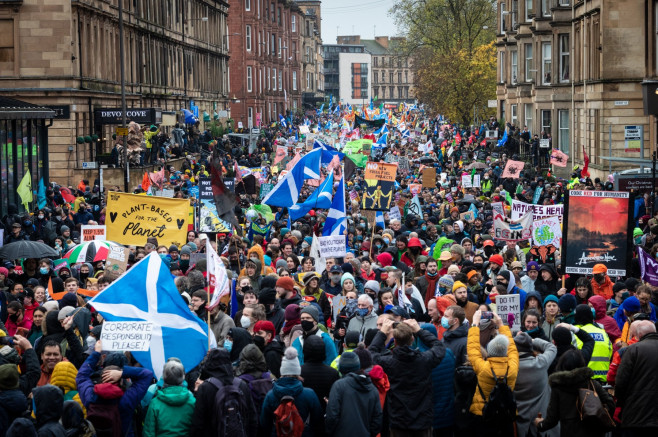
(359, 159)
(25, 190)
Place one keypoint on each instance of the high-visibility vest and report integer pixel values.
(600, 361)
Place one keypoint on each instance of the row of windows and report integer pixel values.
(390, 62)
(546, 63)
(545, 125)
(391, 92)
(527, 9)
(272, 113)
(391, 75)
(271, 80)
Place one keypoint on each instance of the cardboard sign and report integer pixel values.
(126, 336)
(415, 189)
(513, 230)
(339, 303)
(92, 232)
(429, 177)
(538, 211)
(468, 216)
(332, 246)
(394, 214)
(497, 208)
(131, 219)
(117, 261)
(508, 307)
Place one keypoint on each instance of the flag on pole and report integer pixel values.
(320, 198)
(584, 173)
(503, 140)
(336, 222)
(147, 293)
(320, 264)
(379, 219)
(282, 121)
(218, 281)
(286, 192)
(24, 190)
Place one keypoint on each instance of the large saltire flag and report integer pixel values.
(336, 222)
(286, 192)
(147, 293)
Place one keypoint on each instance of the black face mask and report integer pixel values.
(307, 325)
(184, 264)
(478, 266)
(13, 318)
(259, 341)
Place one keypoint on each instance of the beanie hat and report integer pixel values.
(632, 304)
(312, 311)
(457, 285)
(310, 275)
(192, 246)
(292, 312)
(281, 264)
(267, 296)
(185, 250)
(65, 228)
(173, 248)
(470, 274)
(496, 259)
(567, 303)
(561, 336)
(65, 311)
(349, 362)
(286, 282)
(498, 345)
(265, 325)
(599, 268)
(523, 342)
(385, 259)
(533, 266)
(345, 277)
(364, 356)
(619, 286)
(290, 363)
(8, 377)
(372, 285)
(583, 315)
(4, 271)
(454, 268)
(550, 298)
(347, 268)
(68, 300)
(458, 248)
(446, 282)
(351, 339)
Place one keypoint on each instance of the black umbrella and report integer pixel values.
(27, 249)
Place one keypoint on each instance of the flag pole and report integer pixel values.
(372, 237)
(208, 289)
(208, 293)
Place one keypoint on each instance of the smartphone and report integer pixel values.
(487, 315)
(22, 332)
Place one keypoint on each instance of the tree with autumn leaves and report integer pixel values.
(452, 44)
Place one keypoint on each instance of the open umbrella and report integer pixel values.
(477, 165)
(27, 249)
(90, 251)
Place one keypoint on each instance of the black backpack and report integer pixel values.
(231, 410)
(501, 407)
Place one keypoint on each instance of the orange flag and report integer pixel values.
(146, 182)
(81, 291)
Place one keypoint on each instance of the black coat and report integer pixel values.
(456, 342)
(49, 402)
(13, 404)
(354, 407)
(317, 376)
(273, 353)
(562, 406)
(636, 385)
(409, 401)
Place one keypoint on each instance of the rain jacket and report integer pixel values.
(603, 319)
(48, 405)
(170, 413)
(354, 407)
(306, 401)
(63, 376)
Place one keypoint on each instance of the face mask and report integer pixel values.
(13, 317)
(245, 322)
(378, 246)
(41, 217)
(228, 345)
(386, 240)
(424, 228)
(478, 266)
(335, 278)
(593, 312)
(44, 270)
(184, 264)
(445, 322)
(530, 331)
(259, 342)
(362, 312)
(307, 325)
(442, 291)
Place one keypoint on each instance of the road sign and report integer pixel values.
(89, 165)
(122, 131)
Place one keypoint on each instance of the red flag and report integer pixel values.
(146, 182)
(458, 138)
(559, 158)
(584, 173)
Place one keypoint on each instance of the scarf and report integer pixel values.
(291, 324)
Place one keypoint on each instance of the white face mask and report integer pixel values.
(245, 322)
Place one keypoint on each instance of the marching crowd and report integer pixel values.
(400, 337)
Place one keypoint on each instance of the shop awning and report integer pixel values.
(12, 109)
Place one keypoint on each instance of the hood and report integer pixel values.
(53, 326)
(314, 351)
(13, 401)
(174, 395)
(414, 242)
(108, 391)
(48, 403)
(217, 364)
(64, 375)
(251, 360)
(287, 387)
(21, 427)
(460, 332)
(570, 380)
(599, 304)
(241, 338)
(358, 382)
(405, 353)
(259, 268)
(277, 347)
(72, 415)
(258, 251)
(548, 268)
(534, 294)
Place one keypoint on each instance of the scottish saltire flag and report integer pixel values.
(336, 222)
(503, 140)
(379, 220)
(328, 152)
(321, 198)
(383, 139)
(382, 130)
(256, 229)
(147, 293)
(319, 111)
(286, 192)
(218, 281)
(406, 133)
(283, 121)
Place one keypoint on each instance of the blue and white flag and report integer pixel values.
(283, 121)
(383, 139)
(503, 140)
(328, 152)
(379, 220)
(336, 222)
(147, 293)
(382, 130)
(406, 133)
(474, 210)
(286, 192)
(321, 198)
(319, 111)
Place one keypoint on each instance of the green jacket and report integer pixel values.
(170, 413)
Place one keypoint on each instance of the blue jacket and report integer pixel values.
(140, 378)
(306, 401)
(329, 348)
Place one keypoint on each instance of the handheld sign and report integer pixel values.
(126, 336)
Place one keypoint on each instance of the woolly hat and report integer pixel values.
(65, 311)
(292, 312)
(267, 296)
(550, 298)
(385, 259)
(532, 266)
(523, 342)
(348, 362)
(68, 300)
(453, 269)
(637, 232)
(561, 336)
(347, 268)
(632, 305)
(458, 248)
(583, 315)
(619, 286)
(372, 285)
(265, 325)
(286, 282)
(457, 285)
(567, 303)
(173, 248)
(185, 250)
(498, 345)
(192, 246)
(281, 264)
(446, 282)
(496, 259)
(345, 277)
(364, 357)
(8, 377)
(290, 363)
(312, 311)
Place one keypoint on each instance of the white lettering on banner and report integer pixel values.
(332, 246)
(538, 211)
(119, 113)
(126, 336)
(515, 230)
(508, 307)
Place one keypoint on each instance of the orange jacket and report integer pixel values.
(604, 289)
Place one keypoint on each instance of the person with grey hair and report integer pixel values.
(170, 412)
(365, 317)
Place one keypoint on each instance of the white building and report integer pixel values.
(355, 78)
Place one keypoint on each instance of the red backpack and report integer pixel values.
(287, 419)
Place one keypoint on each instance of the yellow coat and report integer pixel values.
(63, 376)
(483, 367)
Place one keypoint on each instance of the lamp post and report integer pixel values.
(126, 176)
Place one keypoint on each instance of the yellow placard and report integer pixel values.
(131, 219)
(122, 131)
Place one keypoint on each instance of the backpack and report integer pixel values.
(259, 387)
(231, 409)
(105, 418)
(501, 406)
(287, 419)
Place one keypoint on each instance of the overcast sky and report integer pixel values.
(356, 17)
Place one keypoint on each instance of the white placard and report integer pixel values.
(466, 181)
(509, 304)
(497, 207)
(538, 211)
(2, 237)
(339, 303)
(394, 214)
(544, 143)
(126, 336)
(332, 246)
(92, 232)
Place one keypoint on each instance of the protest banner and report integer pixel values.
(134, 218)
(339, 303)
(538, 211)
(513, 230)
(429, 177)
(547, 231)
(126, 336)
(513, 169)
(508, 307)
(209, 220)
(380, 184)
(466, 181)
(332, 246)
(415, 189)
(497, 208)
(394, 213)
(648, 267)
(92, 232)
(598, 226)
(117, 261)
(264, 189)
